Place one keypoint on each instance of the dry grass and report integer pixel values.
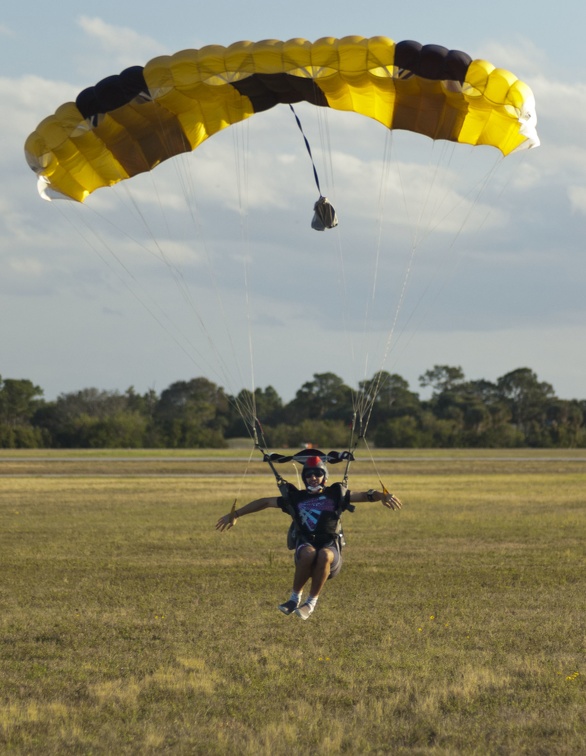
(129, 625)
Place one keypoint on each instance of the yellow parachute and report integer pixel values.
(129, 123)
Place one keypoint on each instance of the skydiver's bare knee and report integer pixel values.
(325, 557)
(305, 554)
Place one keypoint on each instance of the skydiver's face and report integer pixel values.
(314, 481)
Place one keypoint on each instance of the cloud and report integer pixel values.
(25, 101)
(577, 195)
(123, 46)
(519, 54)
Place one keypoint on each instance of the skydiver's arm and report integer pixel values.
(388, 499)
(227, 521)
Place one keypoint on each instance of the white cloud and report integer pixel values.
(26, 266)
(562, 101)
(577, 195)
(123, 46)
(25, 101)
(519, 55)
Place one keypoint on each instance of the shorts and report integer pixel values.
(336, 565)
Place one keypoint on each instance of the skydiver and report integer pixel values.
(318, 539)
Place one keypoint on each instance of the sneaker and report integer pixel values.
(288, 607)
(304, 611)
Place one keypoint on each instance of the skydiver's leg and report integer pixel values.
(304, 559)
(320, 572)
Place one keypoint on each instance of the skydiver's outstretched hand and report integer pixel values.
(391, 501)
(226, 522)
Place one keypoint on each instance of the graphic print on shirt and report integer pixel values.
(311, 509)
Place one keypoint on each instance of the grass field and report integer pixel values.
(130, 626)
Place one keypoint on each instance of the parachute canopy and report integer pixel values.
(129, 123)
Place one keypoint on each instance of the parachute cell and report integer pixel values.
(129, 123)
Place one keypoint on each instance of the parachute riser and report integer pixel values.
(352, 447)
(281, 482)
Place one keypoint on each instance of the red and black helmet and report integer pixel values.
(314, 465)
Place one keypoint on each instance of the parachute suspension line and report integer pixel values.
(250, 342)
(372, 459)
(323, 125)
(369, 390)
(176, 273)
(339, 262)
(222, 371)
(370, 302)
(416, 239)
(245, 401)
(154, 308)
(241, 146)
(326, 149)
(188, 348)
(161, 317)
(245, 405)
(325, 141)
(366, 395)
(244, 203)
(351, 449)
(187, 181)
(370, 399)
(184, 169)
(418, 236)
(195, 214)
(239, 491)
(447, 271)
(422, 230)
(261, 445)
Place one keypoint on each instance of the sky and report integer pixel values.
(441, 257)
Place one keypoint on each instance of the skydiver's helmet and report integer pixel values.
(314, 465)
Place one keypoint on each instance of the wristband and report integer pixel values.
(370, 494)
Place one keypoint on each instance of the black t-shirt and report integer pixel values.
(317, 515)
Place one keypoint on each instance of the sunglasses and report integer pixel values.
(314, 474)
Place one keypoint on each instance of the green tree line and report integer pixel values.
(517, 410)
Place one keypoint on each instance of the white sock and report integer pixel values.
(296, 597)
(312, 601)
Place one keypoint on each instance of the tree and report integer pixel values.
(19, 401)
(565, 423)
(192, 414)
(399, 432)
(94, 419)
(527, 399)
(266, 405)
(391, 398)
(442, 378)
(325, 398)
(517, 410)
